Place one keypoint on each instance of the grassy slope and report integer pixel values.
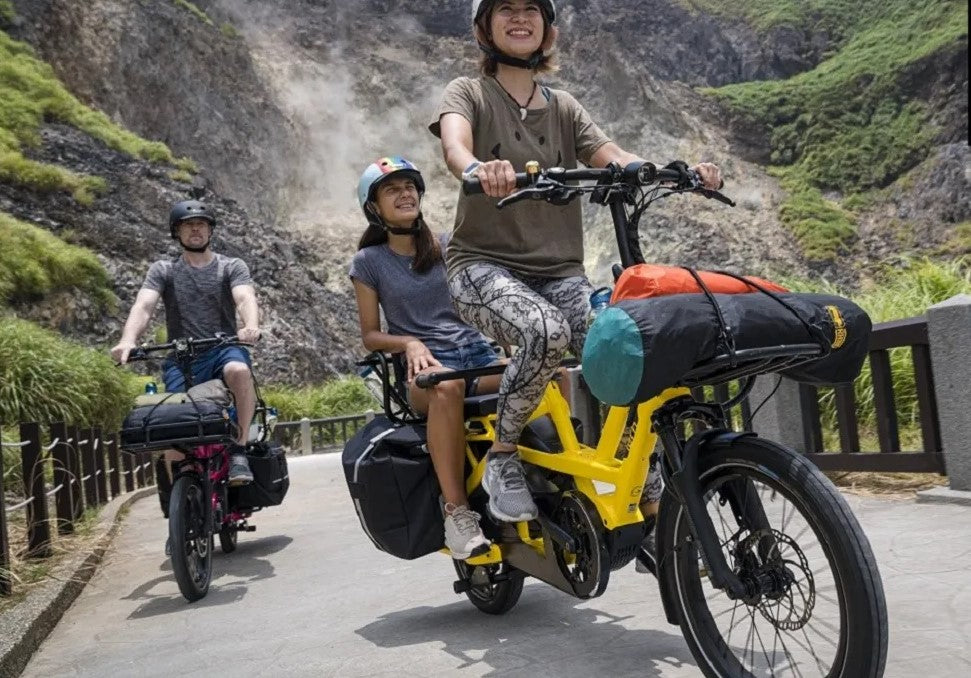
(847, 125)
(30, 93)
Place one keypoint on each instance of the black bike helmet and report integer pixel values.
(189, 209)
(479, 7)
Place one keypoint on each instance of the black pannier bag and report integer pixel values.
(271, 477)
(636, 348)
(150, 427)
(394, 489)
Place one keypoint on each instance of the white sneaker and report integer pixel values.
(505, 482)
(463, 536)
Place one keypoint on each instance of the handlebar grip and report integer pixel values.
(426, 380)
(474, 187)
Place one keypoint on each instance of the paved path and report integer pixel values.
(307, 595)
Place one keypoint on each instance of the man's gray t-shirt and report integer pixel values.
(414, 304)
(198, 301)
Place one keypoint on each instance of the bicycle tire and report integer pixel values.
(228, 537)
(862, 635)
(191, 555)
(496, 598)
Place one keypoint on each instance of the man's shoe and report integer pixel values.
(509, 498)
(168, 546)
(463, 536)
(239, 471)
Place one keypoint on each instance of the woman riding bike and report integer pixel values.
(399, 267)
(517, 274)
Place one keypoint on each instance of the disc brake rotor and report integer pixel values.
(772, 564)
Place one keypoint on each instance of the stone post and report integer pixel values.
(949, 332)
(780, 418)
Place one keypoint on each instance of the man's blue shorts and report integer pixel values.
(207, 366)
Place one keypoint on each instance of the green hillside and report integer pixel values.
(851, 124)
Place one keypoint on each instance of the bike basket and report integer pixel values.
(394, 489)
(271, 478)
(164, 424)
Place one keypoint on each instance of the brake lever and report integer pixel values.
(534, 192)
(720, 197)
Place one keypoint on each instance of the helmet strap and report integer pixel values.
(530, 64)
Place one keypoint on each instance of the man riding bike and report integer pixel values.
(202, 292)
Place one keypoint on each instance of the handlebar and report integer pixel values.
(184, 346)
(551, 184)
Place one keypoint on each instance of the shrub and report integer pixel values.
(34, 263)
(45, 378)
(342, 396)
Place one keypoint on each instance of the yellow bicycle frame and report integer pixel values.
(611, 483)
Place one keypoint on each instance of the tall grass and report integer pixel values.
(44, 378)
(34, 263)
(30, 93)
(850, 124)
(893, 295)
(348, 395)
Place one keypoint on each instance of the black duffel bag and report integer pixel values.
(154, 427)
(271, 477)
(394, 489)
(638, 347)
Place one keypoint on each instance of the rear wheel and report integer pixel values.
(191, 541)
(815, 605)
(491, 598)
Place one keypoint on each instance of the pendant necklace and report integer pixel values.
(522, 107)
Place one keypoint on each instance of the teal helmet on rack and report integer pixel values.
(381, 170)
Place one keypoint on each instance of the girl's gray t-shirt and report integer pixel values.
(414, 304)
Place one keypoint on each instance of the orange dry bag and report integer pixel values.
(653, 280)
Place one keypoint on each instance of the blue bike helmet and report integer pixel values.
(381, 170)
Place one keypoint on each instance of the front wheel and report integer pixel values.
(191, 542)
(489, 596)
(815, 605)
(228, 536)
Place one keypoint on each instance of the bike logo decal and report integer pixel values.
(839, 326)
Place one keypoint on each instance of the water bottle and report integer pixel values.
(151, 388)
(599, 300)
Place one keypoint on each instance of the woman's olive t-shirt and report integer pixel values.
(530, 237)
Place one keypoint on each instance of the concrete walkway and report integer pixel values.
(307, 595)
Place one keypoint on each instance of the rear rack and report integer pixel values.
(750, 362)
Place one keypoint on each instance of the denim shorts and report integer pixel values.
(207, 366)
(479, 354)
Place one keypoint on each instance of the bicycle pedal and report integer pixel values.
(247, 528)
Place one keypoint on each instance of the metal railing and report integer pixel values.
(908, 333)
(86, 468)
(310, 436)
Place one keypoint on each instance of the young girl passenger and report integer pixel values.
(399, 268)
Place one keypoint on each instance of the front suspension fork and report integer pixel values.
(681, 471)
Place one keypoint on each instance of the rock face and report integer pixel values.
(283, 102)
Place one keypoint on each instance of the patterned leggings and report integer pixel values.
(543, 317)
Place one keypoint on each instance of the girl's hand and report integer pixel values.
(418, 358)
(498, 178)
(711, 175)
